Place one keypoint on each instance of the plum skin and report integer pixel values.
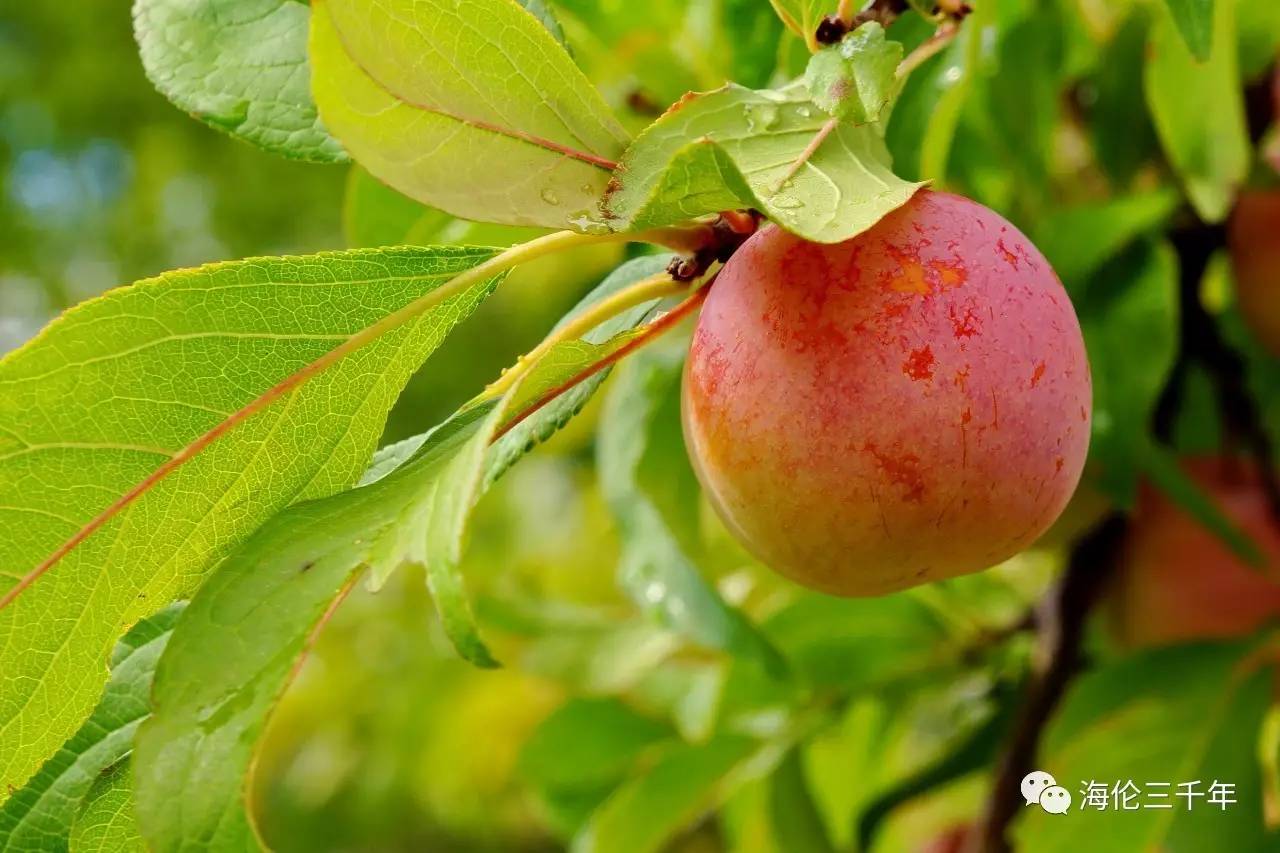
(1178, 582)
(1255, 256)
(908, 405)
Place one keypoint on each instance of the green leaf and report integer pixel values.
(794, 818)
(239, 66)
(375, 215)
(1259, 32)
(923, 125)
(471, 107)
(111, 391)
(1079, 239)
(106, 823)
(586, 747)
(854, 80)
(803, 16)
(262, 606)
(1133, 298)
(646, 477)
(1119, 122)
(645, 813)
(1198, 110)
(735, 147)
(1178, 715)
(857, 643)
(1195, 23)
(543, 14)
(39, 817)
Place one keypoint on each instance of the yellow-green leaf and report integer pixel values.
(470, 106)
(116, 390)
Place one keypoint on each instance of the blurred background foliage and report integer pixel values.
(882, 728)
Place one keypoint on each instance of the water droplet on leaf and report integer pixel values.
(761, 116)
(550, 197)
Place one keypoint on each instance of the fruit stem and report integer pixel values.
(927, 49)
(646, 336)
(648, 289)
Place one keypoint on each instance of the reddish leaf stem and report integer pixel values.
(663, 324)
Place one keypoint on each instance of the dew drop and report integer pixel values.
(786, 202)
(803, 112)
(761, 116)
(550, 197)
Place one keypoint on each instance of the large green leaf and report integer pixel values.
(112, 391)
(1181, 715)
(652, 490)
(264, 603)
(736, 147)
(39, 817)
(470, 106)
(1198, 109)
(106, 823)
(240, 66)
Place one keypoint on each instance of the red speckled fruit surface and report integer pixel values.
(909, 405)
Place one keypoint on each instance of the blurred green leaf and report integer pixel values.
(543, 14)
(39, 817)
(1133, 298)
(1019, 107)
(854, 80)
(1185, 714)
(119, 386)
(923, 124)
(472, 108)
(797, 826)
(587, 743)
(857, 643)
(1080, 238)
(803, 16)
(1195, 23)
(646, 477)
(1119, 121)
(374, 215)
(239, 66)
(650, 809)
(1198, 109)
(735, 147)
(106, 823)
(277, 588)
(1259, 31)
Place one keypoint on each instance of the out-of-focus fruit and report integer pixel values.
(1178, 582)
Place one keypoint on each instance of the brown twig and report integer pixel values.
(1059, 658)
(1201, 342)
